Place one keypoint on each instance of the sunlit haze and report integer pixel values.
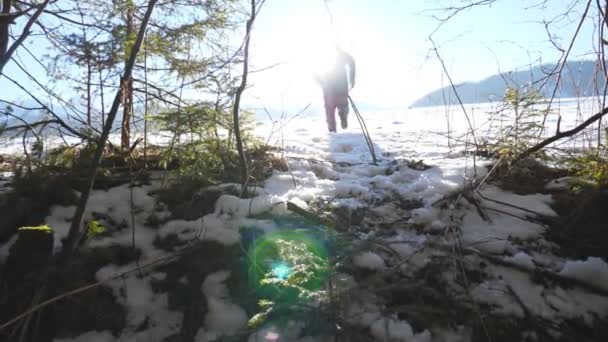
(389, 41)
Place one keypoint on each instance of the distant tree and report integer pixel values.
(97, 37)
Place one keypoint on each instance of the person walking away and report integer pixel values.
(336, 84)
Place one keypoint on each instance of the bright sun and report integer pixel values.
(305, 45)
(315, 51)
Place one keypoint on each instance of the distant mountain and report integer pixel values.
(579, 78)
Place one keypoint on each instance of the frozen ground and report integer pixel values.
(405, 230)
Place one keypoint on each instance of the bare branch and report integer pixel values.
(46, 108)
(562, 135)
(5, 57)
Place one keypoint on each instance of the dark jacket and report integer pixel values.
(336, 80)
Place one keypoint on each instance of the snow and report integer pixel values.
(285, 332)
(404, 250)
(494, 237)
(410, 249)
(593, 271)
(185, 230)
(336, 170)
(369, 260)
(555, 304)
(522, 259)
(215, 229)
(243, 207)
(461, 334)
(5, 248)
(4, 185)
(59, 220)
(517, 204)
(142, 305)
(389, 329)
(508, 214)
(114, 208)
(91, 336)
(424, 216)
(223, 316)
(362, 309)
(12, 146)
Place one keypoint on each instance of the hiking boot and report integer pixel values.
(331, 126)
(343, 122)
(343, 112)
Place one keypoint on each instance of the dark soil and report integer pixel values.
(583, 227)
(529, 176)
(188, 202)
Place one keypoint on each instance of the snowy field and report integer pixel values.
(394, 130)
(336, 169)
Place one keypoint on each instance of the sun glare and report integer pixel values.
(305, 43)
(314, 51)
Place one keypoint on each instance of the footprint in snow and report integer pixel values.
(344, 148)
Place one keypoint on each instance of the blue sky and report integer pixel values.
(389, 40)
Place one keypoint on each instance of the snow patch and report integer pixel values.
(389, 329)
(91, 336)
(522, 259)
(553, 304)
(5, 249)
(593, 271)
(223, 316)
(59, 220)
(369, 260)
(142, 305)
(244, 207)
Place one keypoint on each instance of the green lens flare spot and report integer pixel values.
(288, 260)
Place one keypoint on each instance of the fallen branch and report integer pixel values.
(309, 214)
(152, 262)
(536, 271)
(561, 135)
(480, 209)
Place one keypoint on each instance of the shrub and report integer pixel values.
(519, 118)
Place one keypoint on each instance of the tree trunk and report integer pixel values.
(146, 101)
(101, 94)
(127, 95)
(237, 100)
(127, 104)
(74, 234)
(5, 23)
(89, 72)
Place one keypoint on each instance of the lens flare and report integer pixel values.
(281, 270)
(288, 261)
(288, 269)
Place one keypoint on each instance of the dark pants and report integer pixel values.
(333, 101)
